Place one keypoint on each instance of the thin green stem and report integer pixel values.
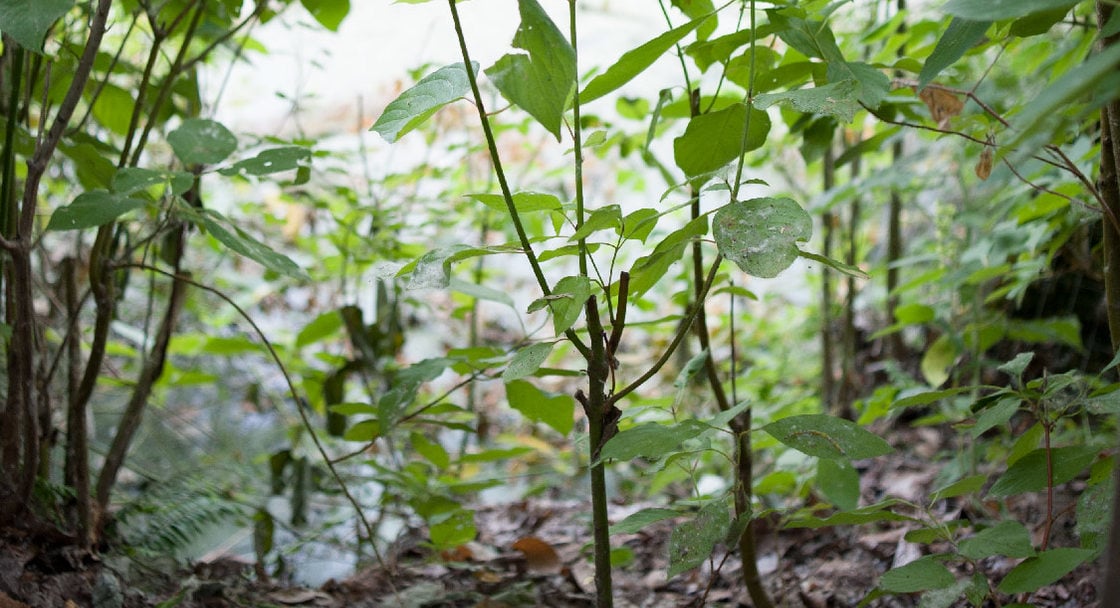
(507, 195)
(577, 140)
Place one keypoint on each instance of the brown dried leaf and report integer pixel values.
(942, 104)
(539, 555)
(984, 165)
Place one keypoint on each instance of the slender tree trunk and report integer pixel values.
(1110, 193)
(828, 361)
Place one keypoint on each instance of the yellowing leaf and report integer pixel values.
(942, 104)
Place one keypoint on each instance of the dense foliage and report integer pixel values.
(564, 278)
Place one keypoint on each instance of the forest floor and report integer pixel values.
(533, 553)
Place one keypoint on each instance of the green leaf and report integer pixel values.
(873, 84)
(329, 13)
(650, 440)
(692, 542)
(239, 241)
(838, 481)
(1008, 538)
(837, 265)
(864, 515)
(570, 295)
(555, 410)
(270, 161)
(433, 269)
(600, 219)
(939, 358)
(1028, 474)
(1071, 85)
(113, 108)
(1038, 23)
(761, 235)
(641, 519)
(712, 140)
(450, 530)
(417, 104)
(638, 224)
(201, 141)
(27, 21)
(995, 10)
(647, 270)
(634, 61)
(959, 37)
(918, 575)
(928, 397)
(542, 80)
(995, 415)
(432, 451)
(1045, 568)
(827, 436)
(90, 209)
(129, 180)
(480, 292)
(319, 328)
(524, 202)
(527, 361)
(835, 99)
(968, 485)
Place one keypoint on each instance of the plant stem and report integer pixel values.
(597, 406)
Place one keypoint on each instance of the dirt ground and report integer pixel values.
(534, 553)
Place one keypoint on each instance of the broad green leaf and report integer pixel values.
(1008, 538)
(129, 180)
(995, 415)
(27, 21)
(570, 295)
(480, 292)
(634, 61)
(834, 99)
(239, 241)
(639, 224)
(959, 37)
(712, 140)
(827, 436)
(364, 431)
(649, 269)
(1071, 85)
(91, 209)
(864, 515)
(1094, 510)
(650, 440)
(695, 9)
(322, 326)
(641, 519)
(527, 361)
(201, 141)
(918, 575)
(690, 369)
(600, 219)
(692, 542)
(524, 202)
(542, 79)
(938, 359)
(431, 450)
(270, 161)
(761, 235)
(113, 108)
(995, 10)
(810, 38)
(968, 485)
(1018, 365)
(838, 481)
(1043, 569)
(453, 529)
(433, 269)
(1028, 474)
(873, 83)
(928, 397)
(329, 13)
(417, 104)
(555, 410)
(1038, 23)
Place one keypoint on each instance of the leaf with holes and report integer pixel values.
(91, 209)
(693, 541)
(201, 141)
(761, 235)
